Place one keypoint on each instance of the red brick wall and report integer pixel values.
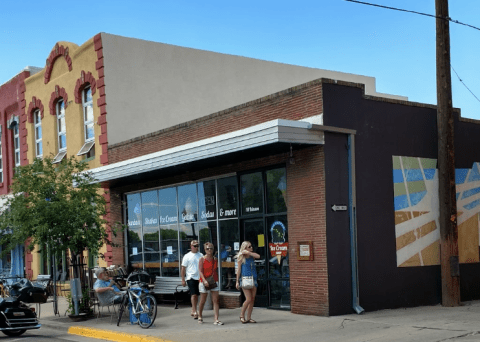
(292, 104)
(305, 181)
(102, 101)
(12, 103)
(307, 222)
(116, 255)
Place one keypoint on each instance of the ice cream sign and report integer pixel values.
(278, 246)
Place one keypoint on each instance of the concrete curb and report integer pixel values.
(112, 335)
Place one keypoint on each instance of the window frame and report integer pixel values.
(37, 124)
(85, 105)
(16, 144)
(89, 141)
(59, 115)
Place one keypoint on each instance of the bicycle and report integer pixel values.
(143, 304)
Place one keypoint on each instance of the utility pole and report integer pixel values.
(450, 269)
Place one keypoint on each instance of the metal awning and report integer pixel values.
(262, 135)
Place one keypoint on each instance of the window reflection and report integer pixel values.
(229, 235)
(134, 222)
(251, 186)
(276, 190)
(151, 251)
(187, 203)
(227, 197)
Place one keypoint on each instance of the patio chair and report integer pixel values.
(101, 304)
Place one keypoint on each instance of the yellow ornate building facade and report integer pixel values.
(62, 108)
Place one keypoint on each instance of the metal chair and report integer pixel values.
(101, 304)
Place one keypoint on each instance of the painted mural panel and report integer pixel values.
(415, 183)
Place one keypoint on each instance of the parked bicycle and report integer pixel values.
(142, 304)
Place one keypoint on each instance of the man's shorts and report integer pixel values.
(202, 288)
(193, 286)
(119, 298)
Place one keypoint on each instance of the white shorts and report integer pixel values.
(202, 288)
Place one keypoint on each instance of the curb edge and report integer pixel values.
(112, 335)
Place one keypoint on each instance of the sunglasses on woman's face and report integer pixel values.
(196, 246)
(209, 248)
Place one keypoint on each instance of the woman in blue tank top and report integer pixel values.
(246, 268)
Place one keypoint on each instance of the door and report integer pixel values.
(278, 276)
(254, 231)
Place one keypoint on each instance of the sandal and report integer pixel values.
(251, 321)
(200, 320)
(195, 316)
(217, 322)
(243, 320)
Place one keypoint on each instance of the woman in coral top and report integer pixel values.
(208, 267)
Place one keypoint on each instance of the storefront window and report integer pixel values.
(162, 223)
(276, 191)
(187, 203)
(227, 197)
(6, 261)
(135, 237)
(251, 186)
(206, 200)
(151, 250)
(229, 238)
(169, 250)
(168, 217)
(188, 232)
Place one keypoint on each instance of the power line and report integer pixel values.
(464, 84)
(427, 15)
(420, 13)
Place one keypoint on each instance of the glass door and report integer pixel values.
(254, 231)
(278, 269)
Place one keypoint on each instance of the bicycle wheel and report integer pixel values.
(120, 311)
(146, 311)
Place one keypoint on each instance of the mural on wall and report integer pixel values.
(417, 211)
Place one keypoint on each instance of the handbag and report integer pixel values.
(211, 280)
(247, 281)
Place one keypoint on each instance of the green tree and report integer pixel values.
(57, 205)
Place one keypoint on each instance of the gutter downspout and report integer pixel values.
(352, 209)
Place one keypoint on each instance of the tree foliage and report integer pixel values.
(55, 205)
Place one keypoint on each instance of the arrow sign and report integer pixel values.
(339, 207)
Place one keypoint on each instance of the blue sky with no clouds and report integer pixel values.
(396, 48)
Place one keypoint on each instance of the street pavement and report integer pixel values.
(428, 323)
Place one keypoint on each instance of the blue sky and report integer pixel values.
(396, 48)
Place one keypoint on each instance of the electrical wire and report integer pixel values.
(428, 15)
(464, 84)
(404, 10)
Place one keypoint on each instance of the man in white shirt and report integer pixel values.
(191, 274)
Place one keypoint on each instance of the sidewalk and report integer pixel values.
(430, 323)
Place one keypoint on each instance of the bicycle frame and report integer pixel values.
(137, 302)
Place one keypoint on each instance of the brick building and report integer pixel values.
(347, 180)
(13, 149)
(333, 183)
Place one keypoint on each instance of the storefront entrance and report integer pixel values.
(225, 211)
(272, 267)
